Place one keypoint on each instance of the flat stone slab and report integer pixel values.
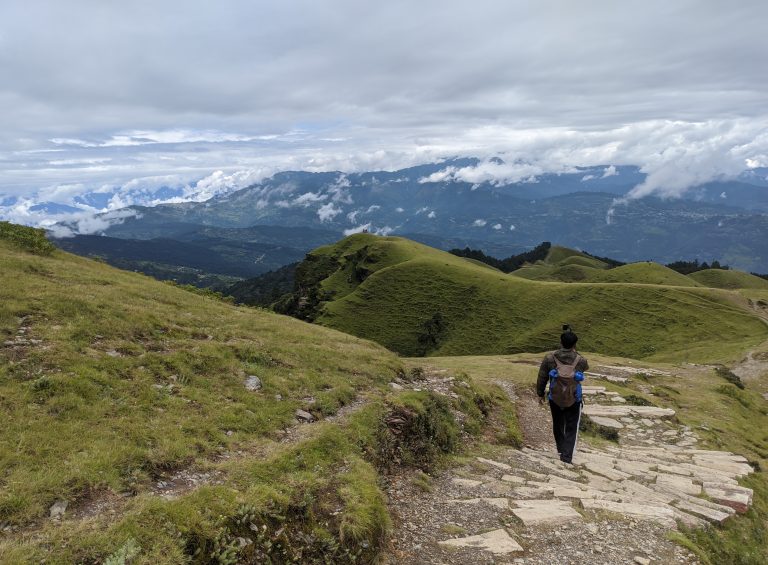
(471, 483)
(617, 411)
(497, 464)
(724, 465)
(678, 483)
(498, 542)
(655, 513)
(514, 479)
(708, 514)
(537, 512)
(737, 497)
(606, 471)
(607, 422)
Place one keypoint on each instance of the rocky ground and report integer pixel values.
(616, 504)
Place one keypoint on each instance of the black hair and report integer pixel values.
(568, 339)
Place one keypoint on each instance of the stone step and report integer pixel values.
(607, 422)
(736, 497)
(615, 411)
(661, 514)
(678, 483)
(497, 542)
(538, 512)
(469, 483)
(497, 464)
(709, 514)
(727, 466)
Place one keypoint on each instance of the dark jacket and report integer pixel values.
(564, 356)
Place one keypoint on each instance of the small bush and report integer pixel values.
(417, 430)
(636, 400)
(730, 376)
(29, 239)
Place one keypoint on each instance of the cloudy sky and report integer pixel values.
(125, 97)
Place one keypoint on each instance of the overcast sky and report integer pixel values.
(98, 94)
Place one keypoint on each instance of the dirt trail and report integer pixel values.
(615, 505)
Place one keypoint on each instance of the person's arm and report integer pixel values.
(541, 382)
(582, 365)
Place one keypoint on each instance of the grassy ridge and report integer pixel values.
(719, 278)
(416, 300)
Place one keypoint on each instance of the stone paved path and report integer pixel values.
(616, 504)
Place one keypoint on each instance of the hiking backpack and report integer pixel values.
(565, 383)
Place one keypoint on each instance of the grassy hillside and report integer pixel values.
(719, 278)
(126, 399)
(567, 265)
(417, 300)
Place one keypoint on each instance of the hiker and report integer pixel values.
(564, 369)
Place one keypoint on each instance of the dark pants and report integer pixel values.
(565, 424)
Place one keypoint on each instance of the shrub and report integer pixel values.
(29, 239)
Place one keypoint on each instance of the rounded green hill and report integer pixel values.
(417, 300)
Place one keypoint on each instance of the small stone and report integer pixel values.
(304, 416)
(57, 509)
(395, 386)
(229, 432)
(278, 397)
(253, 383)
(642, 560)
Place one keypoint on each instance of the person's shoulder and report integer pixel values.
(549, 357)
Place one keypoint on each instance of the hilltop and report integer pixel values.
(719, 278)
(568, 265)
(416, 300)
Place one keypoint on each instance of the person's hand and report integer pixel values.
(541, 400)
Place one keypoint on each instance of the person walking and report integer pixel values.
(564, 370)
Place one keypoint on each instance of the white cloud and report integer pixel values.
(585, 178)
(386, 230)
(431, 214)
(610, 171)
(352, 216)
(399, 210)
(372, 208)
(479, 223)
(309, 198)
(497, 226)
(512, 227)
(327, 212)
(358, 229)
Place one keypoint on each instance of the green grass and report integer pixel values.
(578, 269)
(416, 300)
(117, 381)
(719, 278)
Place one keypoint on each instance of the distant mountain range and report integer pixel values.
(277, 221)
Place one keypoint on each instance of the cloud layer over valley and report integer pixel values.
(109, 104)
